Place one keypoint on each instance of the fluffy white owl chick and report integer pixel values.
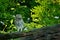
(19, 23)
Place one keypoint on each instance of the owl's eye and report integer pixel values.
(19, 18)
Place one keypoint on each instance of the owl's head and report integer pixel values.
(18, 16)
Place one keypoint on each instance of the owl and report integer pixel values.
(19, 23)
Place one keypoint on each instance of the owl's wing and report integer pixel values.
(15, 23)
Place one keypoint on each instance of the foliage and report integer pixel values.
(41, 13)
(47, 12)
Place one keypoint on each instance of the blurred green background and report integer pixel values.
(40, 12)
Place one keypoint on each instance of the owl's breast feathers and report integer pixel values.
(19, 23)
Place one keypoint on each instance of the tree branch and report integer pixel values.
(34, 33)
